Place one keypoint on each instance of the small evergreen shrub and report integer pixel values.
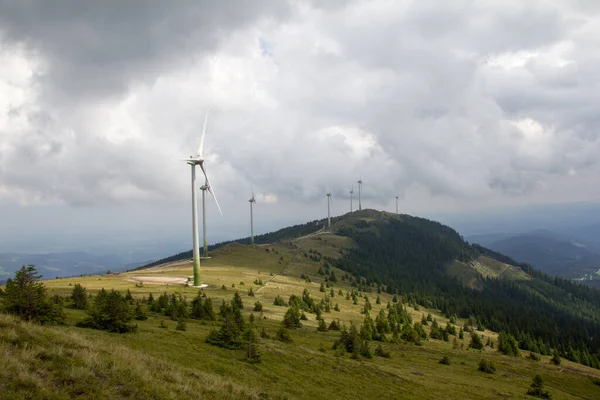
(139, 314)
(110, 312)
(445, 360)
(381, 352)
(264, 334)
(283, 335)
(253, 354)
(279, 301)
(537, 388)
(79, 297)
(181, 325)
(486, 366)
(556, 360)
(476, 342)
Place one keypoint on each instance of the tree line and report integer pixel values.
(409, 256)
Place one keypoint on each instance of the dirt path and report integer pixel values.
(265, 283)
(319, 232)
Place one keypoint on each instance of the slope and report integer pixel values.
(164, 363)
(411, 256)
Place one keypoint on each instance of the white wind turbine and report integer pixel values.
(329, 209)
(396, 204)
(252, 202)
(359, 189)
(193, 161)
(351, 195)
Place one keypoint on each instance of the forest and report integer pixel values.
(409, 256)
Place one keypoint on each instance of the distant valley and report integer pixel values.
(573, 254)
(62, 264)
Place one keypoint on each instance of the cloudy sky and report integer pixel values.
(451, 105)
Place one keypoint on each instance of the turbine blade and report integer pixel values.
(201, 147)
(210, 189)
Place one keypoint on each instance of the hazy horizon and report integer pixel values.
(459, 108)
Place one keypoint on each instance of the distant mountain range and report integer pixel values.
(63, 264)
(573, 254)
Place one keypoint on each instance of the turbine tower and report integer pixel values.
(193, 161)
(252, 201)
(359, 189)
(351, 195)
(396, 204)
(329, 209)
(204, 188)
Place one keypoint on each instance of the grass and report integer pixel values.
(65, 361)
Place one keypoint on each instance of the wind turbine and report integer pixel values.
(396, 204)
(329, 209)
(252, 201)
(351, 195)
(198, 159)
(359, 188)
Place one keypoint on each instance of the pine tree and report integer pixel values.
(537, 388)
(291, 319)
(129, 297)
(322, 326)
(556, 357)
(27, 298)
(476, 342)
(253, 354)
(79, 297)
(110, 312)
(237, 300)
(139, 313)
(508, 345)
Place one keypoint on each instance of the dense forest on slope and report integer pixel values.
(409, 256)
(281, 234)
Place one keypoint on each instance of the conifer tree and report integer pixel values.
(79, 297)
(27, 298)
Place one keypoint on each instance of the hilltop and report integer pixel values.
(368, 261)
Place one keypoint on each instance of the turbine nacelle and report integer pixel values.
(191, 160)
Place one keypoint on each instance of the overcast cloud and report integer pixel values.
(451, 105)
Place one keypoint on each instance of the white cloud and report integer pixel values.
(445, 104)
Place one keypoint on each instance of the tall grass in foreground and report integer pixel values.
(55, 363)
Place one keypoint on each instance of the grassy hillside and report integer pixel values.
(157, 362)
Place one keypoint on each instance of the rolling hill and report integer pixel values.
(414, 265)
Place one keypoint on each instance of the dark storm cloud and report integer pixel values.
(99, 48)
(461, 100)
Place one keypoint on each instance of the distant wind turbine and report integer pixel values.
(329, 209)
(351, 195)
(252, 202)
(359, 190)
(396, 204)
(198, 159)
